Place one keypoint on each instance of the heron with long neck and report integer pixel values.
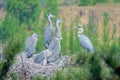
(55, 45)
(52, 53)
(84, 40)
(58, 32)
(50, 21)
(48, 33)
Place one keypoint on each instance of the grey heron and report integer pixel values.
(84, 40)
(55, 46)
(42, 56)
(55, 43)
(52, 53)
(30, 45)
(48, 32)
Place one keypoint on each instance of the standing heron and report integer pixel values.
(52, 53)
(55, 46)
(30, 45)
(84, 40)
(55, 43)
(48, 32)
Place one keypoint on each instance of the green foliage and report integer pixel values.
(83, 57)
(14, 76)
(71, 42)
(25, 11)
(9, 27)
(106, 38)
(64, 47)
(37, 77)
(87, 2)
(52, 6)
(116, 1)
(95, 68)
(106, 71)
(113, 34)
(12, 47)
(115, 60)
(77, 73)
(91, 2)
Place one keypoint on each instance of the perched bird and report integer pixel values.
(55, 43)
(30, 45)
(84, 40)
(42, 56)
(55, 46)
(48, 32)
(39, 57)
(52, 53)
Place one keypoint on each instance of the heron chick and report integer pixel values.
(30, 45)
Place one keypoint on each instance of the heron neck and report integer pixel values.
(58, 33)
(79, 34)
(57, 26)
(50, 22)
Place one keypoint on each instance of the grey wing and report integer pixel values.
(53, 58)
(53, 44)
(28, 43)
(86, 43)
(47, 36)
(39, 58)
(29, 48)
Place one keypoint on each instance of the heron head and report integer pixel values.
(50, 15)
(59, 21)
(80, 29)
(59, 37)
(34, 35)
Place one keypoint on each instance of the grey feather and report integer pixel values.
(48, 36)
(55, 45)
(53, 58)
(86, 43)
(39, 58)
(30, 45)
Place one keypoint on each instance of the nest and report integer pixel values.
(26, 68)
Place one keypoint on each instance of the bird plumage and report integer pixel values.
(86, 43)
(84, 40)
(48, 32)
(30, 45)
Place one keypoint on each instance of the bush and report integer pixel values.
(11, 48)
(87, 2)
(91, 2)
(9, 28)
(116, 1)
(25, 11)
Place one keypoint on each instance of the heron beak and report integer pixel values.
(38, 35)
(79, 32)
(53, 16)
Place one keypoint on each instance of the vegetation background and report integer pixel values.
(20, 18)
